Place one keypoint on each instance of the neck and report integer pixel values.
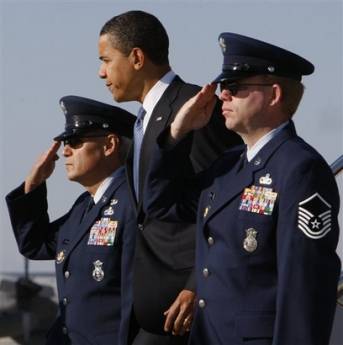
(92, 185)
(93, 188)
(152, 75)
(254, 133)
(250, 139)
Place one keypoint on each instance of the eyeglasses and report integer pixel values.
(76, 142)
(233, 88)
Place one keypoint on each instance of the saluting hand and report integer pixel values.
(195, 113)
(43, 168)
(180, 314)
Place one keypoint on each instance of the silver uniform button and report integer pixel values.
(140, 227)
(64, 330)
(65, 301)
(205, 272)
(201, 303)
(66, 274)
(210, 241)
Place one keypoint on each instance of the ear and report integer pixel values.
(276, 95)
(138, 58)
(111, 144)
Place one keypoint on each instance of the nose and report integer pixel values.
(225, 95)
(67, 151)
(102, 71)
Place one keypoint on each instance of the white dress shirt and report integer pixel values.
(154, 95)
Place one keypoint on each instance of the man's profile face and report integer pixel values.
(83, 158)
(244, 111)
(117, 70)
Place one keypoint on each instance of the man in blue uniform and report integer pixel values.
(93, 243)
(266, 214)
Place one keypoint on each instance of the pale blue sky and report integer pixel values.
(49, 50)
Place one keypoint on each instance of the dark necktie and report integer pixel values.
(138, 134)
(243, 161)
(89, 206)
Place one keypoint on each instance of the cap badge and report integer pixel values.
(105, 125)
(250, 242)
(63, 107)
(271, 69)
(222, 44)
(98, 273)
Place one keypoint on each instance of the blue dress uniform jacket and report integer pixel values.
(266, 267)
(93, 254)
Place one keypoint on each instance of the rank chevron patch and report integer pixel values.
(314, 216)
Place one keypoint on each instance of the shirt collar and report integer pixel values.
(254, 150)
(154, 95)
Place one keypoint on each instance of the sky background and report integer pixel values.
(49, 50)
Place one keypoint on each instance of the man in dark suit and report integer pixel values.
(266, 214)
(133, 48)
(93, 243)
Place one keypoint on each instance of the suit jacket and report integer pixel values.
(266, 266)
(164, 256)
(93, 254)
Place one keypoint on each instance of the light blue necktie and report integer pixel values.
(138, 134)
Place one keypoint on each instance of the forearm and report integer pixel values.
(34, 233)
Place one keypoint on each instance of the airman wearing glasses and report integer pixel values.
(93, 243)
(266, 214)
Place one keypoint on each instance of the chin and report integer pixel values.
(229, 124)
(71, 177)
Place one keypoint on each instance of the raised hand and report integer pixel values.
(43, 168)
(195, 113)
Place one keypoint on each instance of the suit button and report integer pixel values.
(66, 274)
(65, 301)
(140, 227)
(201, 303)
(210, 241)
(64, 330)
(205, 272)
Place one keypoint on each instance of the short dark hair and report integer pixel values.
(139, 29)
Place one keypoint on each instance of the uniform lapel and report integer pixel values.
(229, 185)
(225, 188)
(89, 219)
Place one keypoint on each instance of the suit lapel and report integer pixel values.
(229, 185)
(92, 215)
(159, 120)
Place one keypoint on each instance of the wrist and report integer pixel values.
(176, 133)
